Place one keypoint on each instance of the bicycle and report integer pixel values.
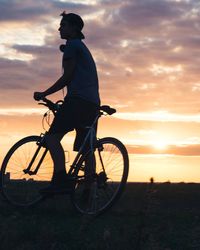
(28, 167)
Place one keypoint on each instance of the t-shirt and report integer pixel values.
(84, 83)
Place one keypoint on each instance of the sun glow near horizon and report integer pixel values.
(159, 137)
(160, 145)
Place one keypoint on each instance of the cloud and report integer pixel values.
(13, 10)
(181, 150)
(145, 14)
(140, 47)
(38, 11)
(162, 116)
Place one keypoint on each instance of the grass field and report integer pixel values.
(148, 216)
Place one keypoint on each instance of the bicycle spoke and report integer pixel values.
(22, 188)
(111, 163)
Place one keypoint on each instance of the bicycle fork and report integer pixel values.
(28, 169)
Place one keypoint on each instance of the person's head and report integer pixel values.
(70, 26)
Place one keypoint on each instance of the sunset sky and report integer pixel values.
(147, 54)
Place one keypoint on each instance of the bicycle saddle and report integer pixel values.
(108, 109)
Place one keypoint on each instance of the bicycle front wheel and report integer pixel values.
(96, 193)
(21, 185)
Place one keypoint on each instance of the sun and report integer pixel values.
(160, 145)
(160, 141)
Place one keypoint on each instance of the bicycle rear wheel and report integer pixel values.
(21, 188)
(96, 194)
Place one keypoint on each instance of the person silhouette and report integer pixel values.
(80, 103)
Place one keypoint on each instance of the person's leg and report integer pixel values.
(53, 142)
(60, 181)
(90, 165)
(90, 170)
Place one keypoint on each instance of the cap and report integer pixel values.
(75, 20)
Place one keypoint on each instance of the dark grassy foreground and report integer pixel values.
(158, 216)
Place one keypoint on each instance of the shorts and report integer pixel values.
(75, 113)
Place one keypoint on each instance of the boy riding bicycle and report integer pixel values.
(81, 102)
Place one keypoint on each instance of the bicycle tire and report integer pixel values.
(19, 188)
(107, 186)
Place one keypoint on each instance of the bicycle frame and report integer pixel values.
(89, 136)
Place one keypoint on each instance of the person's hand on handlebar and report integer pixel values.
(38, 96)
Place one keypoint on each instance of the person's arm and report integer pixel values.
(69, 66)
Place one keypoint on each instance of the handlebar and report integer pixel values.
(49, 104)
(55, 106)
